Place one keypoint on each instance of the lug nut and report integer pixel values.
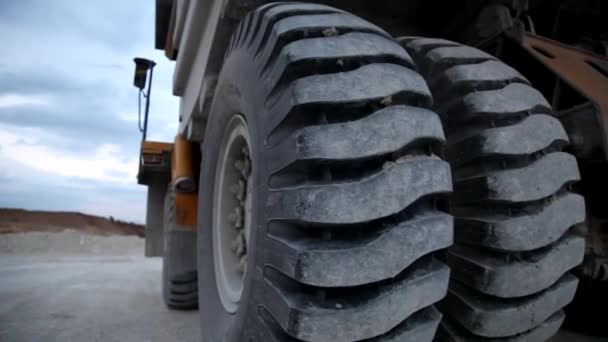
(236, 217)
(234, 246)
(243, 265)
(241, 245)
(244, 166)
(238, 190)
(239, 165)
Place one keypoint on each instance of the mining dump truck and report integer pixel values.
(386, 170)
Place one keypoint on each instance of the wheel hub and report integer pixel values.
(231, 213)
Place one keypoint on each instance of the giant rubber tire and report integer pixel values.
(346, 182)
(515, 217)
(179, 273)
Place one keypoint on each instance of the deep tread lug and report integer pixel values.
(329, 89)
(442, 58)
(452, 332)
(529, 136)
(309, 26)
(303, 318)
(337, 51)
(184, 287)
(268, 17)
(351, 263)
(536, 181)
(385, 131)
(495, 275)
(388, 192)
(419, 327)
(421, 46)
(492, 318)
(525, 232)
(460, 79)
(516, 99)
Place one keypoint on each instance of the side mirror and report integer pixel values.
(142, 66)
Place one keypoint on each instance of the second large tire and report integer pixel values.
(345, 185)
(515, 215)
(179, 274)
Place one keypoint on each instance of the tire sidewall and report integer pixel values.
(239, 91)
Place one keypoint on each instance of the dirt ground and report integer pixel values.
(87, 298)
(19, 220)
(66, 284)
(70, 242)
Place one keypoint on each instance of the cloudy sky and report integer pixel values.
(68, 110)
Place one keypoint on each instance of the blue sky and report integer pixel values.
(68, 110)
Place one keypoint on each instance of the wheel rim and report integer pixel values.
(231, 213)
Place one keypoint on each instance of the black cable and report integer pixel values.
(141, 93)
(141, 130)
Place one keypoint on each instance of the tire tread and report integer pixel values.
(514, 212)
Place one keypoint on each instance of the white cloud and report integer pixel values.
(128, 116)
(25, 187)
(38, 176)
(56, 151)
(106, 163)
(18, 100)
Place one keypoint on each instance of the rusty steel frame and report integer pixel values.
(575, 67)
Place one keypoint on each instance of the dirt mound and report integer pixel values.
(70, 242)
(22, 221)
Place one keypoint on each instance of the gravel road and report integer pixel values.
(60, 295)
(77, 287)
(87, 298)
